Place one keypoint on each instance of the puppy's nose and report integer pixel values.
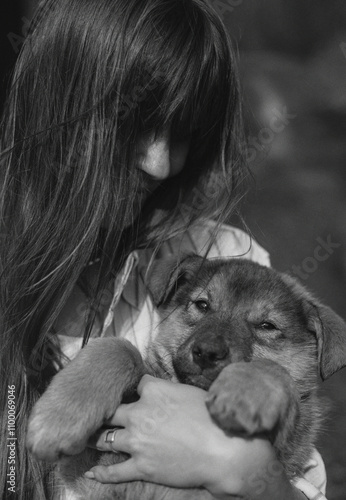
(206, 353)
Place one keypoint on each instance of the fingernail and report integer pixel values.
(89, 474)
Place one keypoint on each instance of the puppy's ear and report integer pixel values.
(331, 336)
(329, 327)
(168, 274)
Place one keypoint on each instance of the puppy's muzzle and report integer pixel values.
(214, 344)
(202, 357)
(208, 352)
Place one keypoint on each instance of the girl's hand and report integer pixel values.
(173, 441)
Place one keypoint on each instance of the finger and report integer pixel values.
(145, 380)
(110, 440)
(118, 473)
(120, 417)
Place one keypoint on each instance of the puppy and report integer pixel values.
(254, 338)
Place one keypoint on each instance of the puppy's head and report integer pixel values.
(216, 312)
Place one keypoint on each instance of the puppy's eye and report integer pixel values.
(266, 325)
(202, 305)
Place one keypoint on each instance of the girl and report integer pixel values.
(120, 142)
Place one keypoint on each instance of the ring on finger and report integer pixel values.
(110, 435)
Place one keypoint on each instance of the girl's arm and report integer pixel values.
(173, 441)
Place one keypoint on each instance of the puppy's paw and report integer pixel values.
(81, 397)
(249, 399)
(53, 432)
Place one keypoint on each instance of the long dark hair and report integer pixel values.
(91, 79)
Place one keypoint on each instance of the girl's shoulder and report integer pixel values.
(217, 241)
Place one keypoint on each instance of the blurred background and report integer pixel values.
(292, 57)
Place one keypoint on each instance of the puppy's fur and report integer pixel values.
(254, 338)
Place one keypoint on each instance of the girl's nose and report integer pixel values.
(160, 156)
